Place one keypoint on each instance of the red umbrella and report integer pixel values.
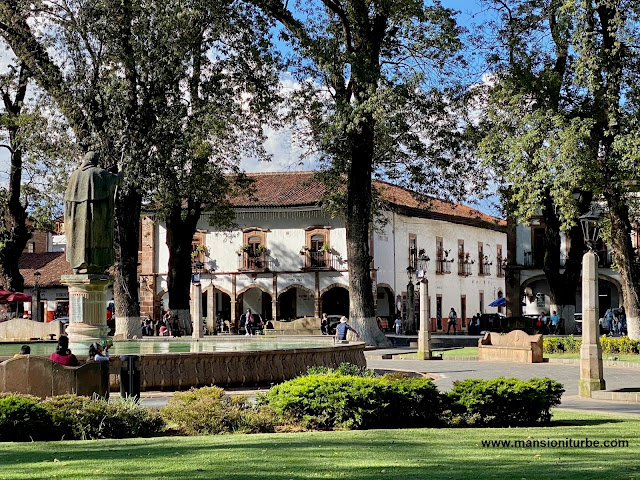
(4, 294)
(18, 297)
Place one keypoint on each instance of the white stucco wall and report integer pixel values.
(285, 234)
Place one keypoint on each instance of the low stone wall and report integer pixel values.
(301, 326)
(41, 377)
(23, 329)
(179, 371)
(515, 346)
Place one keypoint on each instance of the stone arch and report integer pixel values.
(333, 301)
(295, 285)
(334, 285)
(250, 286)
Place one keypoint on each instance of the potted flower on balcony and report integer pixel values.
(261, 249)
(325, 247)
(304, 249)
(244, 248)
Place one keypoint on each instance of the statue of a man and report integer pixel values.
(88, 216)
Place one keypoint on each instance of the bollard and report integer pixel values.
(129, 377)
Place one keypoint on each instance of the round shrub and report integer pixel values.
(503, 402)
(206, 411)
(344, 401)
(23, 419)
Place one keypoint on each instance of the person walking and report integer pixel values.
(398, 324)
(555, 320)
(453, 320)
(608, 319)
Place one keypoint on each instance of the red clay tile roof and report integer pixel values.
(51, 266)
(291, 189)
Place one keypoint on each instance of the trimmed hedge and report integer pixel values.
(503, 402)
(206, 411)
(609, 345)
(69, 417)
(22, 419)
(334, 400)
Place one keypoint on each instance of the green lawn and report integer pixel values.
(374, 454)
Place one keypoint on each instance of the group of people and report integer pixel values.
(252, 324)
(614, 321)
(98, 352)
(548, 324)
(166, 326)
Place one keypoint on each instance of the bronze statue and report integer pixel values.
(88, 216)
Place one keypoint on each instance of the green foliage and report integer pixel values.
(619, 345)
(83, 418)
(344, 368)
(505, 402)
(334, 400)
(22, 419)
(207, 411)
(572, 344)
(568, 344)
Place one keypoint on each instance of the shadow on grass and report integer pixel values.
(583, 422)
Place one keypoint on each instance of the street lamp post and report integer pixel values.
(35, 305)
(196, 299)
(424, 335)
(410, 320)
(591, 376)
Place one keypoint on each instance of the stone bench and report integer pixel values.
(515, 346)
(43, 378)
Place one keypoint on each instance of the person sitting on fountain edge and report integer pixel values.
(63, 355)
(342, 328)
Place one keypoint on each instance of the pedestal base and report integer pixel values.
(424, 345)
(586, 386)
(87, 310)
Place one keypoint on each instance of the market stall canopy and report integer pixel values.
(15, 297)
(498, 302)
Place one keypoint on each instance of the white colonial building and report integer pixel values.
(288, 258)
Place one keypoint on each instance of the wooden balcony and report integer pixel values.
(251, 263)
(319, 261)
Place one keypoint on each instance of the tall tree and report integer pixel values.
(376, 97)
(216, 90)
(36, 141)
(562, 118)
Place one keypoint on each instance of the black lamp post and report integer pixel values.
(410, 320)
(590, 223)
(35, 313)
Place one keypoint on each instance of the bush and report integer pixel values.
(505, 402)
(334, 400)
(619, 345)
(568, 344)
(23, 419)
(208, 410)
(343, 369)
(85, 418)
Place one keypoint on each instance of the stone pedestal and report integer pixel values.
(196, 309)
(591, 377)
(424, 335)
(87, 310)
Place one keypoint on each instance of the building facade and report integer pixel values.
(527, 287)
(287, 258)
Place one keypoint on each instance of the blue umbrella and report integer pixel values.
(498, 302)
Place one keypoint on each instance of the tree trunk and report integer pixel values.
(125, 244)
(180, 233)
(624, 259)
(15, 234)
(357, 219)
(563, 286)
